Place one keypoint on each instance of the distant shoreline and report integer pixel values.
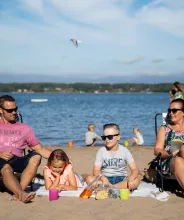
(85, 87)
(82, 92)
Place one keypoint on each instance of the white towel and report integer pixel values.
(144, 190)
(149, 189)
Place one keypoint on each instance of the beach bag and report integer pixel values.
(150, 173)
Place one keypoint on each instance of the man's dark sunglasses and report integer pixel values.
(10, 110)
(174, 110)
(110, 137)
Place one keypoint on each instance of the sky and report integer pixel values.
(119, 37)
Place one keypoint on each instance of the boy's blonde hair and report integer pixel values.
(112, 125)
(91, 127)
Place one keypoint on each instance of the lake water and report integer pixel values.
(65, 117)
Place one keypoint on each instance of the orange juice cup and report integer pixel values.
(86, 193)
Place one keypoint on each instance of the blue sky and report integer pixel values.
(119, 37)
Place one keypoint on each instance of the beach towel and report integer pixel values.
(150, 190)
(144, 190)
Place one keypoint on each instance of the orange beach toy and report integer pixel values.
(70, 144)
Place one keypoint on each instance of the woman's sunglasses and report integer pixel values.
(10, 110)
(110, 137)
(174, 110)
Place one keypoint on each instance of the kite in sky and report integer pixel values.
(75, 42)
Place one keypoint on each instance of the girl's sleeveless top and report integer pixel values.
(171, 135)
(64, 179)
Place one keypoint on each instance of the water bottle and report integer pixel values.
(86, 193)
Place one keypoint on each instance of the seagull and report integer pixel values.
(75, 42)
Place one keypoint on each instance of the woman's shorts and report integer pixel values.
(166, 166)
(115, 179)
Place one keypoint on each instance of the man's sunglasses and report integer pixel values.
(10, 110)
(110, 137)
(174, 110)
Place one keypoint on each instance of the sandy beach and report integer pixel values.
(76, 208)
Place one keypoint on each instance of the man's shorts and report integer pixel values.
(115, 179)
(18, 164)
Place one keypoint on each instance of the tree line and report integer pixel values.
(85, 87)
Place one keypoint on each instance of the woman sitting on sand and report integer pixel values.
(59, 173)
(112, 160)
(173, 161)
(179, 91)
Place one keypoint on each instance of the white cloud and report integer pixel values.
(180, 58)
(36, 5)
(164, 17)
(108, 29)
(135, 60)
(158, 60)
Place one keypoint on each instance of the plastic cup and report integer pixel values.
(176, 145)
(53, 194)
(126, 143)
(86, 193)
(124, 194)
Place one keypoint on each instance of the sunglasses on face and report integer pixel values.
(174, 110)
(10, 110)
(110, 137)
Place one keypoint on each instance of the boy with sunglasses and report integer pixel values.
(15, 136)
(112, 160)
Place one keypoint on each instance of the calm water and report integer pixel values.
(65, 116)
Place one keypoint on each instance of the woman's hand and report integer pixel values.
(174, 153)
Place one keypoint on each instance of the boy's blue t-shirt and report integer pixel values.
(113, 163)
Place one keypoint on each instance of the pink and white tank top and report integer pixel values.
(64, 179)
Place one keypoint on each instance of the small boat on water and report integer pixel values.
(39, 100)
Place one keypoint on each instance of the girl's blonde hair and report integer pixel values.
(58, 155)
(91, 127)
(135, 129)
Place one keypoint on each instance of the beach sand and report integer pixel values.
(75, 208)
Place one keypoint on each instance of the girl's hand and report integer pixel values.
(59, 187)
(56, 174)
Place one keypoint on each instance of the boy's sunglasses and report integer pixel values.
(10, 110)
(174, 110)
(110, 137)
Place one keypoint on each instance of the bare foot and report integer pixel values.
(13, 198)
(27, 197)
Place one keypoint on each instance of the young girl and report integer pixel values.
(138, 139)
(59, 173)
